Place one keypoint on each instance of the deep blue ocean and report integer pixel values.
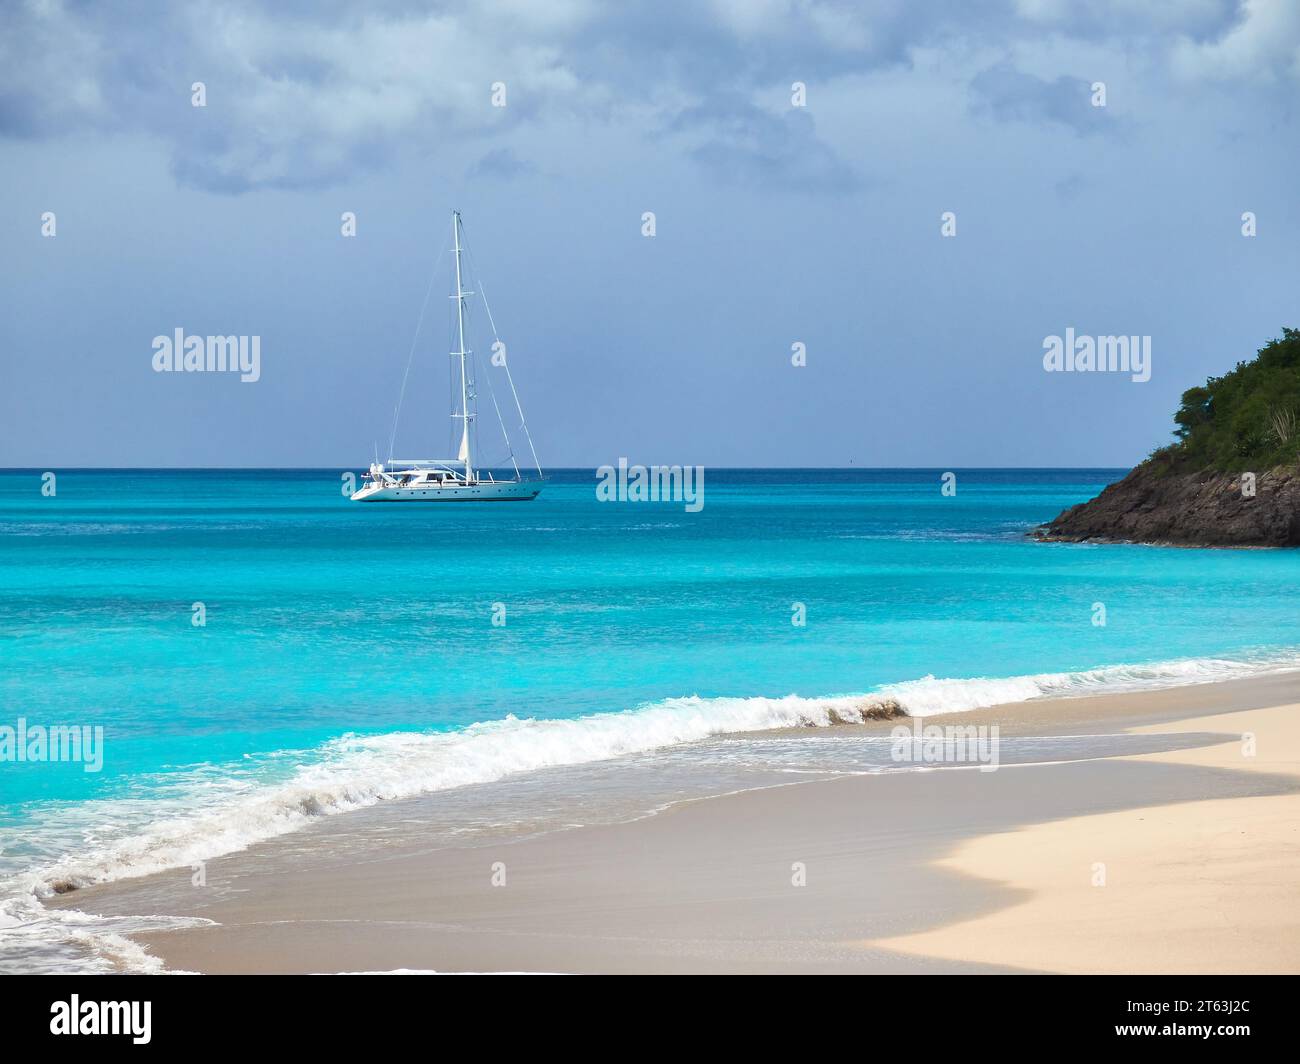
(346, 648)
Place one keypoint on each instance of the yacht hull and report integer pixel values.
(509, 491)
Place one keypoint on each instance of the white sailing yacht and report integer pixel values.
(456, 479)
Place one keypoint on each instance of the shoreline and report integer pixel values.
(1108, 541)
(1202, 886)
(709, 884)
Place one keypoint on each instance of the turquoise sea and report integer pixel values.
(349, 653)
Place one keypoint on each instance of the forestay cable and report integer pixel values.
(397, 411)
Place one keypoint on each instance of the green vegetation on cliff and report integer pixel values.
(1247, 419)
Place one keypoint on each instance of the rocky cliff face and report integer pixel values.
(1202, 509)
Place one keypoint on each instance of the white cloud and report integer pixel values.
(1264, 45)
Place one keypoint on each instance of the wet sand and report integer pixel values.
(944, 870)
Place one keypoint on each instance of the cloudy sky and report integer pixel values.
(775, 223)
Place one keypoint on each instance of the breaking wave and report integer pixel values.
(198, 823)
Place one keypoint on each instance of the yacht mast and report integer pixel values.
(464, 454)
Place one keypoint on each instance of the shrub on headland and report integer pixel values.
(1247, 419)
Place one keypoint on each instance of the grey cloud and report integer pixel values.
(302, 94)
(293, 100)
(501, 163)
(21, 114)
(1197, 20)
(1261, 45)
(744, 143)
(1010, 95)
(1069, 189)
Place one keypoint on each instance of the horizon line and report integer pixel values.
(554, 469)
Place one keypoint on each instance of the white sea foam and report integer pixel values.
(34, 939)
(352, 772)
(357, 771)
(928, 695)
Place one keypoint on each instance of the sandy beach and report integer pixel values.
(1182, 860)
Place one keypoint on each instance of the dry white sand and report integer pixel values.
(1207, 886)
